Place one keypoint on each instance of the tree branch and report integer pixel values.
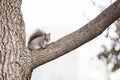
(77, 38)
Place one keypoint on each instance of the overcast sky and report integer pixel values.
(61, 17)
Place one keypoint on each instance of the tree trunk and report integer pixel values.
(14, 58)
(17, 62)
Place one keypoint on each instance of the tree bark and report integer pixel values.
(15, 59)
(17, 62)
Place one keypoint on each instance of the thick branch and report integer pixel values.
(77, 38)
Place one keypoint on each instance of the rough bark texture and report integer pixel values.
(14, 58)
(77, 38)
(17, 62)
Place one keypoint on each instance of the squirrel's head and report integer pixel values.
(47, 37)
(46, 40)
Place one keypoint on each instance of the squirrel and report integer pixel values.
(38, 39)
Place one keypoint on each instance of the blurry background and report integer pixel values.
(61, 17)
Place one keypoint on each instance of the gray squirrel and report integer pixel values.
(38, 39)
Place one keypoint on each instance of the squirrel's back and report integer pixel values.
(36, 34)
